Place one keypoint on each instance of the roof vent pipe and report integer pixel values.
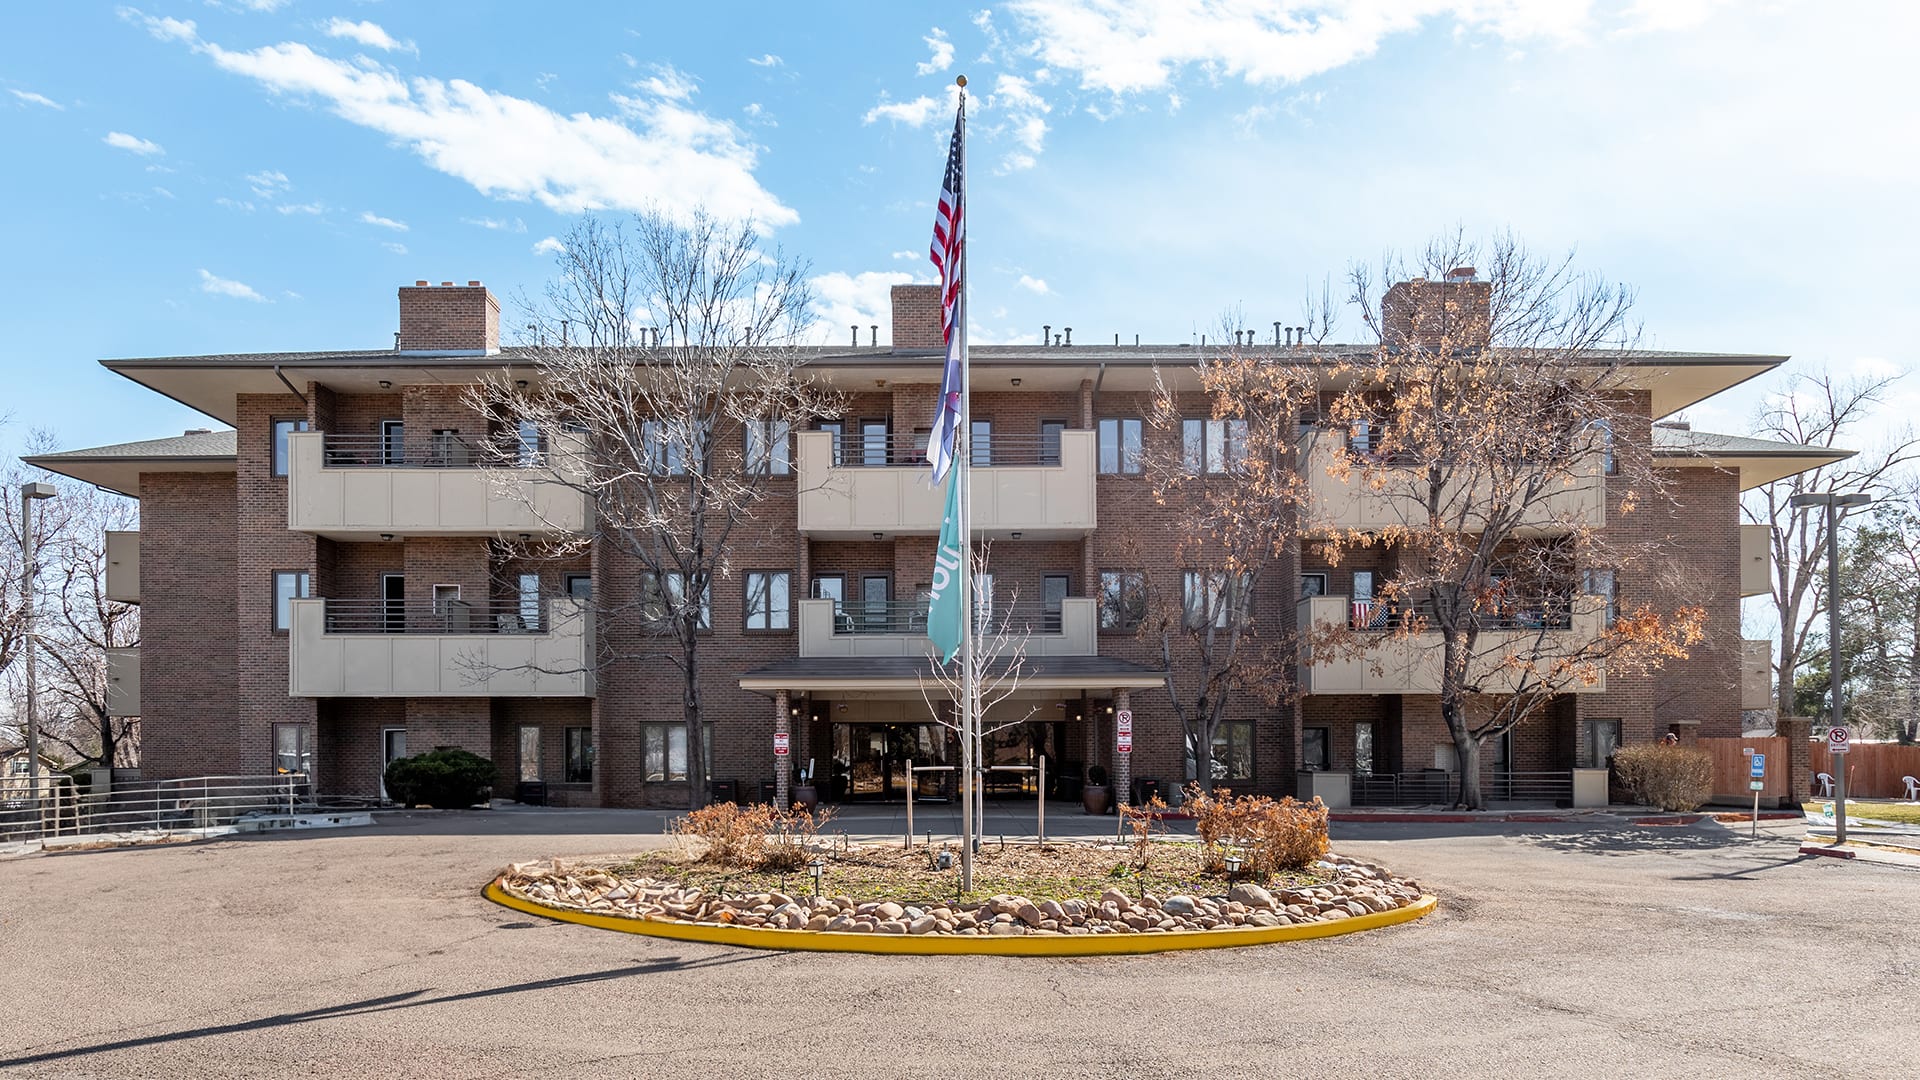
(1046, 334)
(856, 335)
(1276, 332)
(873, 334)
(1069, 335)
(396, 341)
(1299, 335)
(1136, 341)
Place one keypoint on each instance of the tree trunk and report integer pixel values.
(697, 786)
(1466, 753)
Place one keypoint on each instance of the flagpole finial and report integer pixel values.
(960, 82)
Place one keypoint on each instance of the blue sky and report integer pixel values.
(229, 175)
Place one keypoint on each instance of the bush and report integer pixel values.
(757, 836)
(1097, 776)
(1270, 836)
(446, 779)
(1669, 777)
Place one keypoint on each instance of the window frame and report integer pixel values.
(1124, 465)
(279, 450)
(1315, 575)
(661, 623)
(1234, 593)
(303, 749)
(665, 730)
(1611, 613)
(1212, 446)
(1325, 762)
(303, 583)
(1121, 624)
(748, 611)
(521, 732)
(580, 772)
(567, 581)
(772, 458)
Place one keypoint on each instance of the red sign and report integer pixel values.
(1123, 721)
(780, 744)
(1837, 740)
(1124, 743)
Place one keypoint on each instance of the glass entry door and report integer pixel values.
(871, 761)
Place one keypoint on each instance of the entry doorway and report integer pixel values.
(870, 762)
(393, 747)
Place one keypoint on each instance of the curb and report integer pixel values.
(1831, 853)
(754, 937)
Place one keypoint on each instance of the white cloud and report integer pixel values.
(659, 154)
(1024, 120)
(120, 140)
(241, 205)
(268, 183)
(370, 34)
(909, 255)
(368, 217)
(397, 249)
(766, 60)
(865, 299)
(758, 114)
(1034, 285)
(28, 97)
(302, 208)
(550, 245)
(219, 286)
(942, 57)
(668, 83)
(497, 224)
(250, 5)
(913, 113)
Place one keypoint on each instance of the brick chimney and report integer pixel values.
(1456, 312)
(916, 317)
(449, 318)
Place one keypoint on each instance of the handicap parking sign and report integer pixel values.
(1759, 766)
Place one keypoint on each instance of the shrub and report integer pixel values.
(756, 836)
(1271, 836)
(1097, 776)
(448, 779)
(1669, 777)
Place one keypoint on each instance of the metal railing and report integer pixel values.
(1510, 613)
(1436, 786)
(200, 802)
(524, 616)
(438, 450)
(910, 617)
(855, 450)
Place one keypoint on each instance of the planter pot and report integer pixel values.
(806, 796)
(1096, 798)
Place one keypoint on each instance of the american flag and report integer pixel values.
(949, 254)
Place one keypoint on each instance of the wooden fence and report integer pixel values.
(1732, 768)
(1874, 770)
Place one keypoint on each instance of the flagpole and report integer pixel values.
(962, 471)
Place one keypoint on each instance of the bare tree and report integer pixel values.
(1821, 410)
(1880, 582)
(667, 380)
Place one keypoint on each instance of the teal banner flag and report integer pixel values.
(945, 622)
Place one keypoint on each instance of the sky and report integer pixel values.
(204, 176)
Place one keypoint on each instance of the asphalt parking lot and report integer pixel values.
(1558, 950)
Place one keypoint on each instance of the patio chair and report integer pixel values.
(1913, 788)
(1825, 782)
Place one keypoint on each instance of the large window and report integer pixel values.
(769, 448)
(1600, 583)
(1232, 752)
(282, 429)
(529, 752)
(1212, 596)
(664, 751)
(1123, 599)
(579, 755)
(1119, 445)
(658, 605)
(1597, 740)
(1316, 749)
(288, 586)
(768, 600)
(669, 447)
(1212, 446)
(292, 749)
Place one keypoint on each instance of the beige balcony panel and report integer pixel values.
(123, 567)
(363, 502)
(1039, 501)
(1756, 674)
(550, 664)
(123, 682)
(1352, 504)
(1413, 665)
(1078, 636)
(1756, 560)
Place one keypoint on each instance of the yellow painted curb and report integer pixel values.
(754, 937)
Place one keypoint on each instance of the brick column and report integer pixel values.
(1122, 763)
(1798, 731)
(781, 771)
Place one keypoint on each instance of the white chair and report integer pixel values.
(1825, 780)
(1913, 788)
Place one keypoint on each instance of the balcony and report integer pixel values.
(123, 682)
(1411, 665)
(830, 628)
(1352, 504)
(880, 486)
(374, 648)
(123, 567)
(1756, 560)
(1756, 674)
(364, 487)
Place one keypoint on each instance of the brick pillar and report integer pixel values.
(781, 797)
(1798, 731)
(1122, 763)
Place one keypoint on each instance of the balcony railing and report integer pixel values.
(541, 647)
(854, 486)
(1410, 663)
(1508, 613)
(1353, 502)
(367, 487)
(899, 628)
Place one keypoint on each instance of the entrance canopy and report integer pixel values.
(891, 676)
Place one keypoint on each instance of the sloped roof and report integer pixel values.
(1758, 461)
(118, 467)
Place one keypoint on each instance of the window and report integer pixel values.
(768, 607)
(664, 751)
(1209, 595)
(526, 436)
(1053, 599)
(665, 448)
(1232, 752)
(1600, 583)
(1315, 749)
(529, 602)
(981, 450)
(1050, 433)
(837, 429)
(1123, 599)
(769, 448)
(579, 755)
(1360, 439)
(1212, 446)
(1363, 747)
(873, 443)
(658, 606)
(830, 587)
(282, 429)
(288, 586)
(579, 586)
(529, 752)
(1607, 463)
(393, 442)
(1313, 585)
(1598, 739)
(1119, 445)
(292, 749)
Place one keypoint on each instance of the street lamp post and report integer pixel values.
(29, 494)
(1836, 506)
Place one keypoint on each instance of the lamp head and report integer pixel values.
(1856, 499)
(38, 490)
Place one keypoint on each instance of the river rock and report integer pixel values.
(1253, 896)
(1180, 905)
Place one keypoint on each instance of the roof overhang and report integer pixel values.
(1755, 469)
(121, 475)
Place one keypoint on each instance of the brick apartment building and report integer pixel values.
(324, 587)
